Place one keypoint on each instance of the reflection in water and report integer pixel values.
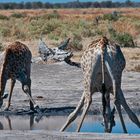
(1, 126)
(92, 123)
(31, 122)
(9, 122)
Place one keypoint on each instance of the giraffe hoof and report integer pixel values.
(38, 109)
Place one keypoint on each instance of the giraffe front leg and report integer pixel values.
(26, 87)
(74, 114)
(87, 103)
(13, 81)
(107, 111)
(130, 113)
(118, 107)
(2, 88)
(31, 100)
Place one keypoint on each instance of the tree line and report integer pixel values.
(75, 4)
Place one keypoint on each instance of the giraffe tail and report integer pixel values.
(112, 78)
(104, 43)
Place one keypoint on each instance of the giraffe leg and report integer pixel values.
(27, 89)
(118, 107)
(2, 85)
(107, 113)
(30, 96)
(86, 107)
(104, 103)
(74, 114)
(131, 115)
(106, 107)
(33, 105)
(114, 92)
(13, 81)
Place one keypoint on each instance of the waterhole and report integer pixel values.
(92, 123)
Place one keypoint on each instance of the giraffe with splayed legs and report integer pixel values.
(16, 65)
(102, 63)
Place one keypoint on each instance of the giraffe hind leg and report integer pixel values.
(13, 81)
(30, 95)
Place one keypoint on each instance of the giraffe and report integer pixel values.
(102, 64)
(16, 65)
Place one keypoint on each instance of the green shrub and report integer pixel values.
(76, 44)
(88, 33)
(77, 37)
(2, 17)
(52, 36)
(20, 35)
(98, 32)
(18, 15)
(5, 31)
(54, 14)
(111, 17)
(124, 39)
(1, 47)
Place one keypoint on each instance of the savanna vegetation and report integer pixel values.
(72, 4)
(121, 25)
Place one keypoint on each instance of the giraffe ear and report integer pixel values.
(5, 96)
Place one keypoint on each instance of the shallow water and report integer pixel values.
(92, 123)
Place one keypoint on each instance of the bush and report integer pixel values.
(1, 47)
(54, 14)
(2, 17)
(18, 15)
(124, 39)
(52, 36)
(88, 33)
(111, 17)
(76, 44)
(5, 31)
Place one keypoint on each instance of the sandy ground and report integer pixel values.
(60, 85)
(47, 135)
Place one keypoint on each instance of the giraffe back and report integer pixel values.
(17, 61)
(91, 61)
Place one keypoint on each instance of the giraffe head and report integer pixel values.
(1, 99)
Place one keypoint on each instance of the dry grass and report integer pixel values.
(132, 56)
(70, 20)
(74, 23)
